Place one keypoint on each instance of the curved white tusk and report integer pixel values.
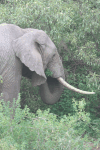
(62, 81)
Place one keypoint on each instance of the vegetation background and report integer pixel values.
(74, 27)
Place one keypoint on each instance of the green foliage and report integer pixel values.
(72, 25)
(26, 97)
(1, 79)
(88, 53)
(43, 131)
(48, 73)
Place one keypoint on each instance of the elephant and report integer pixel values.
(29, 52)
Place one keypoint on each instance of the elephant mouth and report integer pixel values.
(64, 83)
(53, 84)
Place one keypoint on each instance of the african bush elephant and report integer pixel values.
(28, 52)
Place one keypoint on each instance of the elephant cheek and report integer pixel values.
(56, 67)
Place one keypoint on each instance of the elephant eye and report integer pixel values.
(40, 47)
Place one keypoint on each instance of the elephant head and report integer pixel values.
(37, 52)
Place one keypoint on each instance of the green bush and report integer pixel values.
(43, 131)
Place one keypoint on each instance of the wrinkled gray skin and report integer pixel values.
(28, 52)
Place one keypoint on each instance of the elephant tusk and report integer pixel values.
(62, 81)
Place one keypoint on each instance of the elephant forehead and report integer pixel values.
(50, 45)
(42, 37)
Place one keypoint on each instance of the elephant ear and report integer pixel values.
(26, 50)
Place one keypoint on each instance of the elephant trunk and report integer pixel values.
(51, 91)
